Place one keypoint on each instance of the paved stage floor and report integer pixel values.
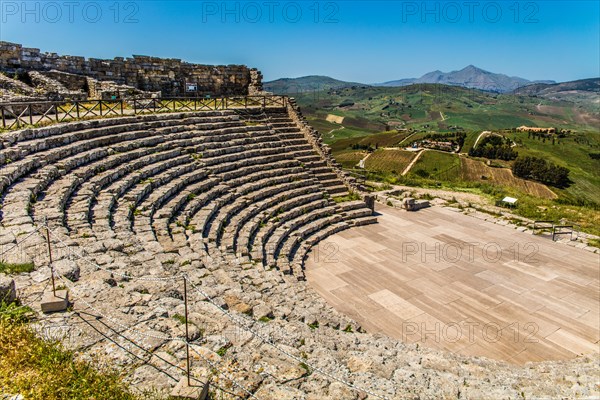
(453, 282)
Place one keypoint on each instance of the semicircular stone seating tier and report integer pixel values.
(250, 190)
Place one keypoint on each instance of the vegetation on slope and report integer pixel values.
(412, 113)
(39, 369)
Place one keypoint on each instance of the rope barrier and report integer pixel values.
(239, 321)
(18, 243)
(143, 334)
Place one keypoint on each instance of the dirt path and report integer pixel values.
(479, 137)
(406, 138)
(361, 163)
(334, 130)
(413, 162)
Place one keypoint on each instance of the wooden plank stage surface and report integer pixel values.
(449, 281)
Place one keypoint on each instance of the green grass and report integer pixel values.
(223, 350)
(594, 242)
(314, 325)
(179, 318)
(437, 165)
(9, 268)
(469, 141)
(417, 108)
(345, 133)
(322, 125)
(40, 369)
(573, 153)
(392, 161)
(381, 139)
(349, 159)
(351, 197)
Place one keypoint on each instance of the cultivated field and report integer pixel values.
(437, 165)
(477, 171)
(350, 159)
(393, 161)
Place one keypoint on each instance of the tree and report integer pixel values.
(538, 169)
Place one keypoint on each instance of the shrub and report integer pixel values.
(541, 170)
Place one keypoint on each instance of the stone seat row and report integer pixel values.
(203, 183)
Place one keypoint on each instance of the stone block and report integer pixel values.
(55, 303)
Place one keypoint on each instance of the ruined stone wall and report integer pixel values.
(171, 77)
(314, 138)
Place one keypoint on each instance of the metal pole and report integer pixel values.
(187, 337)
(50, 257)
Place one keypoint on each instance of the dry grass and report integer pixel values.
(39, 369)
(477, 171)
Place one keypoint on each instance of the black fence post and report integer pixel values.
(187, 335)
(50, 258)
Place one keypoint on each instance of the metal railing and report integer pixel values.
(556, 229)
(18, 115)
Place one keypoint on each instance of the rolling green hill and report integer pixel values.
(312, 83)
(380, 118)
(441, 108)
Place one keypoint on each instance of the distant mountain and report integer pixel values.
(397, 83)
(546, 90)
(306, 84)
(583, 92)
(469, 77)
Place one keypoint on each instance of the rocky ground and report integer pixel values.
(280, 341)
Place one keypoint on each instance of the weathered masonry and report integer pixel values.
(170, 77)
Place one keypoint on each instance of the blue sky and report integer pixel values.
(350, 40)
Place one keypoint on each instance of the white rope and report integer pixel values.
(18, 243)
(143, 334)
(265, 339)
(222, 373)
(113, 320)
(125, 276)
